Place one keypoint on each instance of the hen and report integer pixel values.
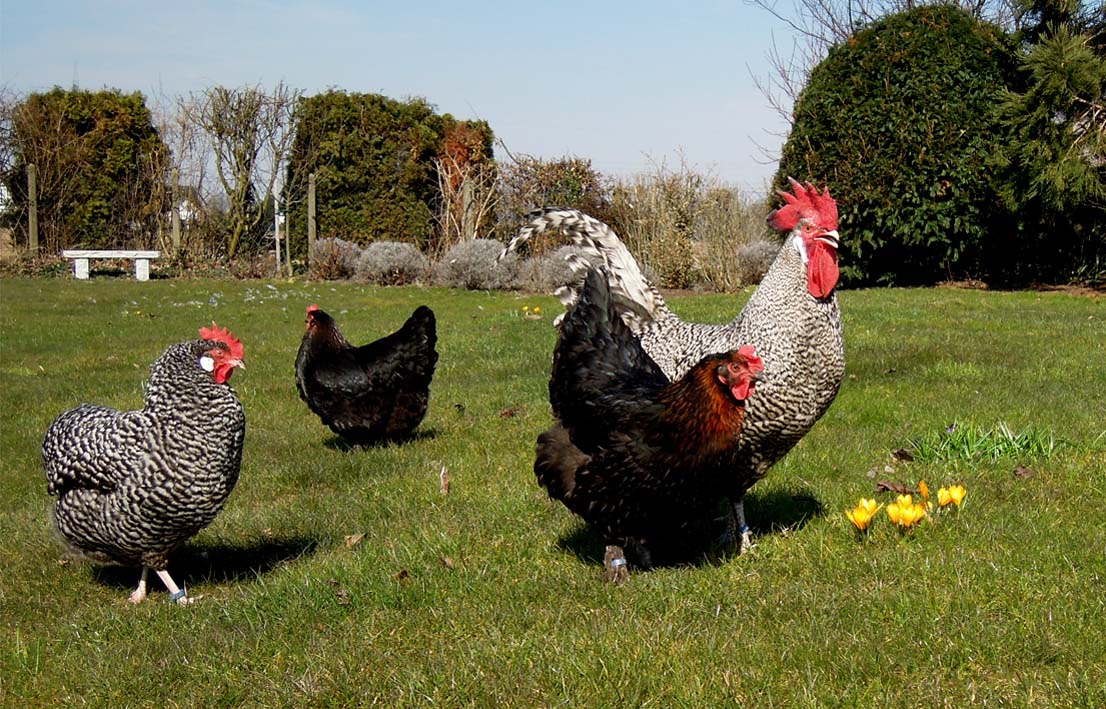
(634, 455)
(379, 391)
(792, 320)
(134, 485)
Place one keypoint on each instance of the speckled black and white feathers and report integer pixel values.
(798, 336)
(632, 454)
(379, 391)
(133, 485)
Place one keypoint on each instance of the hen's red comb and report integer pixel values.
(221, 334)
(312, 308)
(806, 203)
(749, 353)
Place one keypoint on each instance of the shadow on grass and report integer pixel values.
(337, 443)
(775, 512)
(200, 563)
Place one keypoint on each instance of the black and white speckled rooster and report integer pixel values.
(637, 456)
(134, 485)
(792, 320)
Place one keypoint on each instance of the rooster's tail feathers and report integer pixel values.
(639, 302)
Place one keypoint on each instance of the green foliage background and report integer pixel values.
(373, 158)
(100, 168)
(901, 121)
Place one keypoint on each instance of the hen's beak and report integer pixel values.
(236, 363)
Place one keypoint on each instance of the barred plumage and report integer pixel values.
(134, 485)
(792, 320)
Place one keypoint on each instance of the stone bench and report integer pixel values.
(81, 256)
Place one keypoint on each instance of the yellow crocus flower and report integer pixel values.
(861, 516)
(952, 495)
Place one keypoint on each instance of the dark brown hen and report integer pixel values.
(376, 392)
(636, 456)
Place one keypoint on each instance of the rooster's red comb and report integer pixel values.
(312, 308)
(221, 334)
(806, 203)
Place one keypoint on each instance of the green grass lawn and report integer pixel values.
(491, 596)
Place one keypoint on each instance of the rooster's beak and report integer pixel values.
(830, 237)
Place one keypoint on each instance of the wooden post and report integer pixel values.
(276, 230)
(468, 221)
(176, 210)
(310, 216)
(288, 238)
(32, 208)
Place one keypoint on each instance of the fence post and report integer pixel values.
(175, 187)
(32, 211)
(310, 216)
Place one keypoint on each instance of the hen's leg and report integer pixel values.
(737, 531)
(743, 535)
(139, 593)
(175, 593)
(614, 565)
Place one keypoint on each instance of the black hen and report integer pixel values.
(638, 457)
(379, 391)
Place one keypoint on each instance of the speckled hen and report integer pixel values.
(792, 320)
(133, 485)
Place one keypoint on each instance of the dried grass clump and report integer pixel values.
(754, 258)
(550, 271)
(334, 259)
(473, 265)
(392, 263)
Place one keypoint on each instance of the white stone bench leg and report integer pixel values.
(142, 269)
(80, 269)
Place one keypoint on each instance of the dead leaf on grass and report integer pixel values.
(903, 455)
(448, 562)
(443, 478)
(1023, 472)
(353, 540)
(897, 488)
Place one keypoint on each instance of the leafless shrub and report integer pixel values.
(473, 265)
(392, 263)
(467, 197)
(726, 223)
(685, 227)
(334, 259)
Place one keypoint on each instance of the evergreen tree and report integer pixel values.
(1053, 169)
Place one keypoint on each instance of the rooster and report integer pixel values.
(134, 485)
(792, 320)
(635, 455)
(379, 391)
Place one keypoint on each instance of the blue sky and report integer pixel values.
(626, 84)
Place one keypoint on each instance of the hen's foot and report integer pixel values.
(139, 594)
(614, 565)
